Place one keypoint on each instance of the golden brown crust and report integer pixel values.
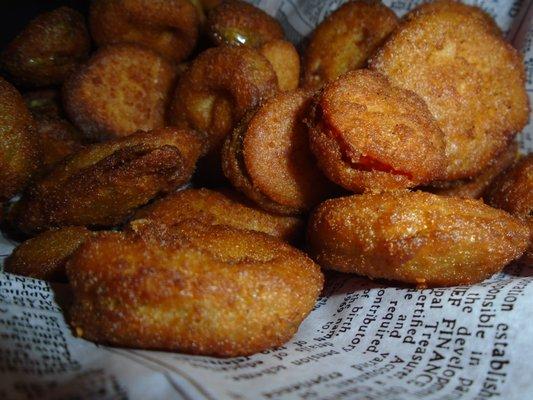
(103, 184)
(475, 187)
(415, 237)
(346, 39)
(268, 158)
(370, 135)
(285, 60)
(471, 79)
(169, 27)
(238, 23)
(198, 289)
(18, 153)
(221, 208)
(45, 256)
(512, 191)
(121, 89)
(218, 88)
(48, 49)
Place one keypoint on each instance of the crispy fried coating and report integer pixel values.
(209, 290)
(415, 237)
(48, 49)
(218, 88)
(286, 62)
(18, 153)
(267, 157)
(512, 191)
(346, 39)
(44, 103)
(370, 135)
(103, 184)
(121, 89)
(208, 5)
(221, 208)
(45, 256)
(475, 187)
(237, 23)
(170, 27)
(471, 79)
(56, 139)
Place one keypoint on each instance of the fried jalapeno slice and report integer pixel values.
(45, 255)
(221, 208)
(238, 23)
(121, 89)
(415, 237)
(218, 88)
(370, 135)
(103, 184)
(512, 191)
(346, 39)
(210, 290)
(48, 49)
(18, 151)
(267, 157)
(471, 79)
(169, 27)
(285, 61)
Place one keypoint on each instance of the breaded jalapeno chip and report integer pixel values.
(370, 135)
(346, 39)
(471, 79)
(44, 256)
(221, 208)
(121, 89)
(512, 191)
(475, 187)
(267, 157)
(169, 27)
(210, 290)
(218, 88)
(103, 184)
(18, 151)
(415, 237)
(285, 60)
(237, 23)
(48, 49)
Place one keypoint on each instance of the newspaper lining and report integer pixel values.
(363, 340)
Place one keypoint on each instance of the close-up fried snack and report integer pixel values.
(210, 290)
(56, 139)
(169, 27)
(236, 22)
(472, 80)
(44, 103)
(103, 184)
(219, 87)
(415, 237)
(18, 151)
(267, 156)
(48, 49)
(370, 135)
(512, 191)
(285, 60)
(346, 39)
(121, 89)
(474, 188)
(221, 208)
(44, 256)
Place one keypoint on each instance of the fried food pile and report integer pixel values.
(189, 177)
